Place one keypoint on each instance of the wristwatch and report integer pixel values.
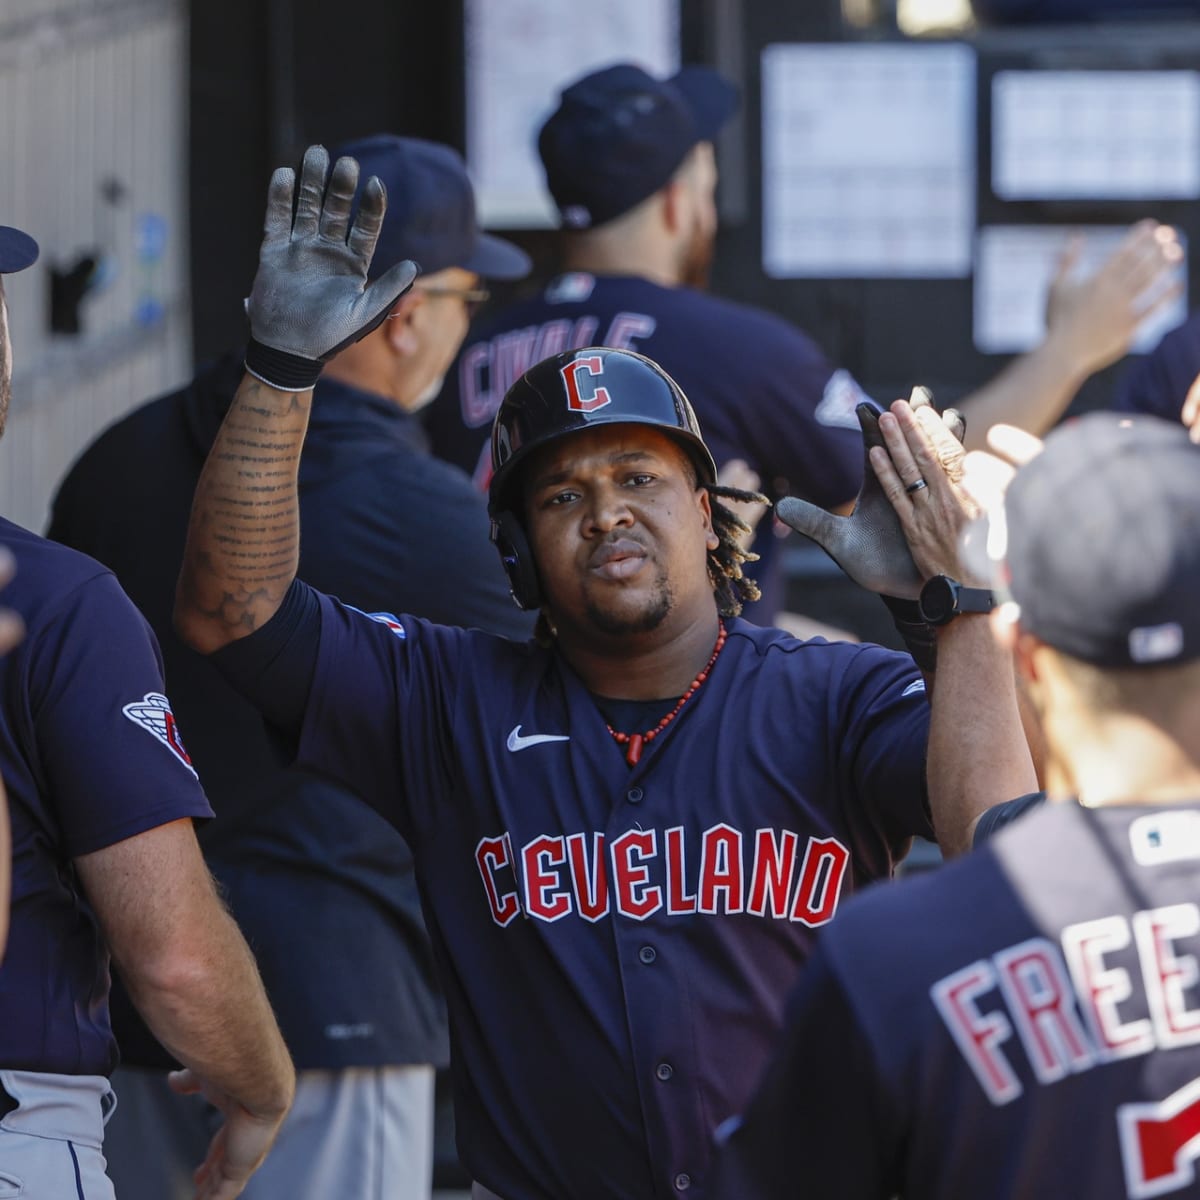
(943, 599)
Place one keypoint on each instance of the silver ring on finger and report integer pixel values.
(916, 486)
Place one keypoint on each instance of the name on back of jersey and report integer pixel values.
(1112, 988)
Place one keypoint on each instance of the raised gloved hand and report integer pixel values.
(311, 297)
(869, 544)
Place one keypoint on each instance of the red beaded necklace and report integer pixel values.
(636, 741)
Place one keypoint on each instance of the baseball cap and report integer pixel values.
(430, 209)
(1103, 541)
(619, 134)
(17, 250)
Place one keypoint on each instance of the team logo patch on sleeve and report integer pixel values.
(153, 713)
(384, 618)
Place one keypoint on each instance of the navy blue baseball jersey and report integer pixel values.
(1023, 1023)
(91, 755)
(762, 390)
(615, 942)
(1158, 383)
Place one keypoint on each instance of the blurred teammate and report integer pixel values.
(1026, 1022)
(102, 797)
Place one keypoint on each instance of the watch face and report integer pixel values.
(937, 600)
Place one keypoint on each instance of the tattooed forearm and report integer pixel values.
(244, 538)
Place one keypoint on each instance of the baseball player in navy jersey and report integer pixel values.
(1026, 1022)
(629, 162)
(102, 798)
(626, 830)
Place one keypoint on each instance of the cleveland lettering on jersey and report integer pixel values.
(1077, 1004)
(646, 871)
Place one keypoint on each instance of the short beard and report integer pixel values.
(644, 622)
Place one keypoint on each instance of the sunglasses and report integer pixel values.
(472, 298)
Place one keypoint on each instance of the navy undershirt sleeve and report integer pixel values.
(273, 667)
(998, 816)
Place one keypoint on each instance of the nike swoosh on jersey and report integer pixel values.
(517, 742)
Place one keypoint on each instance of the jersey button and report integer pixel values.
(683, 1181)
(664, 1071)
(634, 795)
(647, 954)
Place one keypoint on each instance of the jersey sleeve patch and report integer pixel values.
(572, 288)
(153, 714)
(384, 618)
(841, 397)
(915, 688)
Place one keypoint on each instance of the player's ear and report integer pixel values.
(704, 504)
(400, 328)
(1026, 652)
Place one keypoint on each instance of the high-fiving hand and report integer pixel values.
(870, 545)
(311, 297)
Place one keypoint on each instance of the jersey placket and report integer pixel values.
(647, 824)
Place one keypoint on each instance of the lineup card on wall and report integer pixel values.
(519, 56)
(868, 160)
(1013, 269)
(1104, 135)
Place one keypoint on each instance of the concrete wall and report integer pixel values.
(93, 156)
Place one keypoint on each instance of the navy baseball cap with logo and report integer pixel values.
(17, 250)
(1103, 541)
(430, 209)
(619, 134)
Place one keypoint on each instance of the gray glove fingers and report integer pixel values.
(810, 520)
(377, 300)
(365, 231)
(920, 397)
(339, 200)
(278, 224)
(955, 422)
(869, 547)
(310, 195)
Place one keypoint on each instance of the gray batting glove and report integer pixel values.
(869, 544)
(311, 297)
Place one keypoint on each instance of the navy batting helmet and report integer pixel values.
(561, 396)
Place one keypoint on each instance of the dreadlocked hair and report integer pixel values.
(731, 587)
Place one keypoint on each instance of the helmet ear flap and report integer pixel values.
(509, 538)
